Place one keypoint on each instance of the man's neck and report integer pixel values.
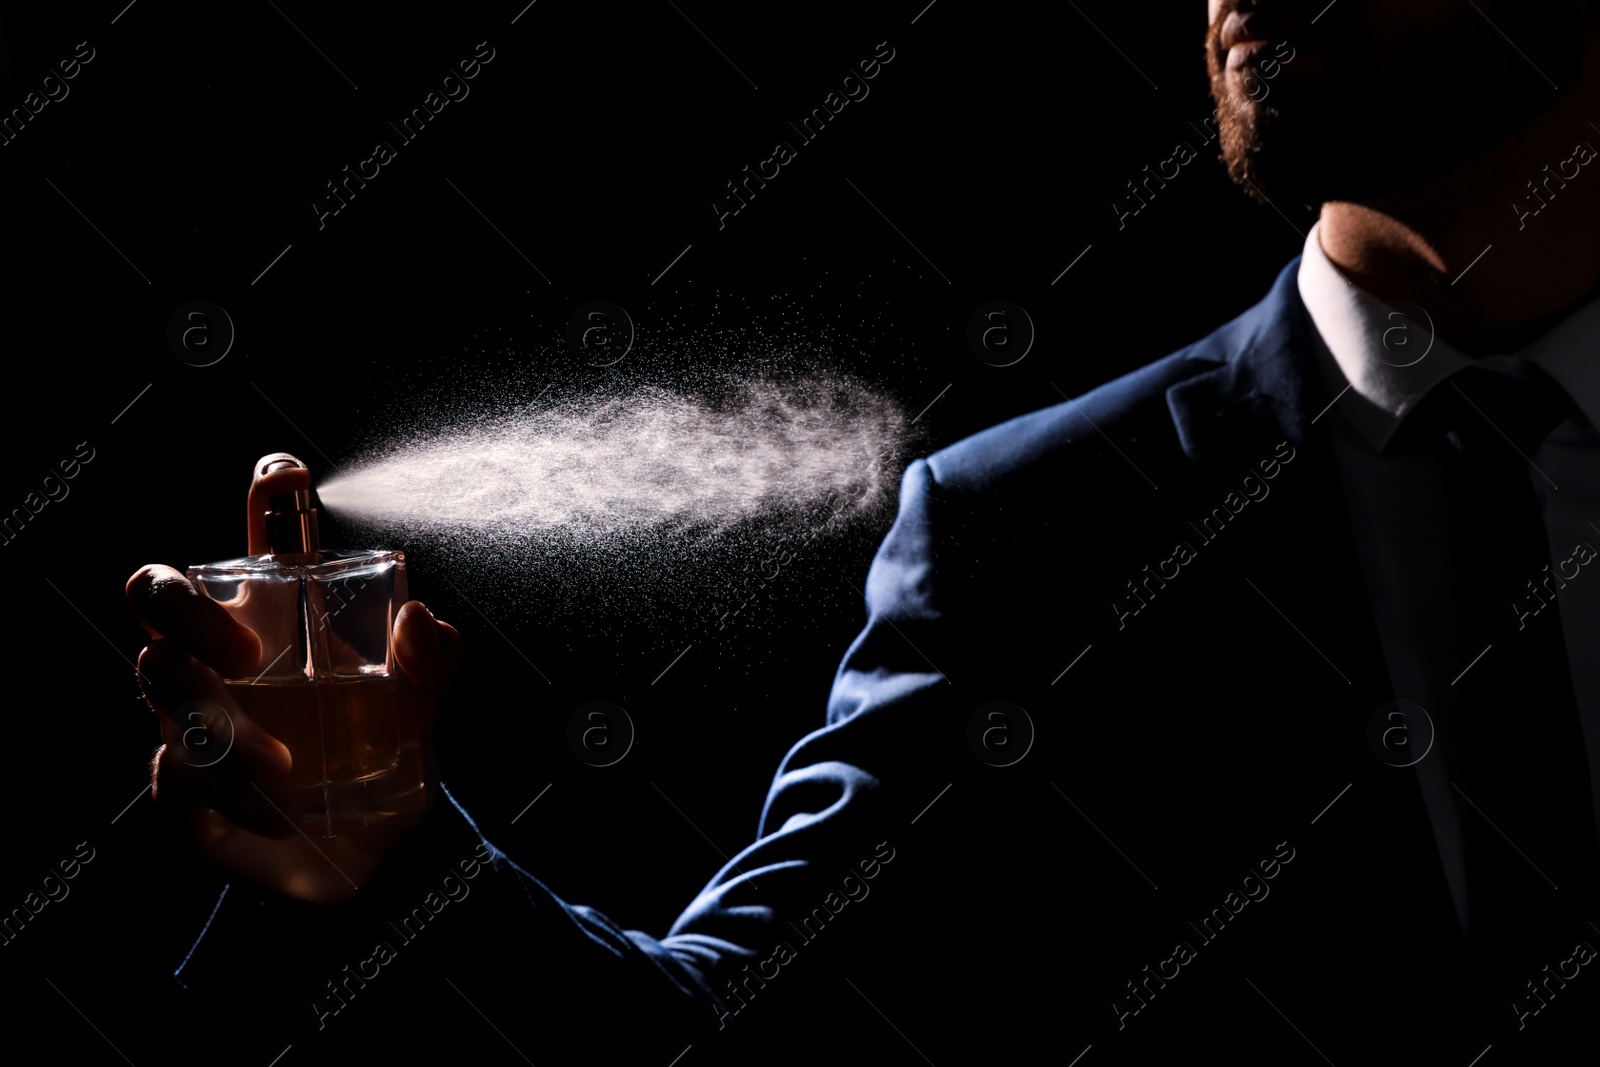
(1493, 264)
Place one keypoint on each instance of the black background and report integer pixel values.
(195, 141)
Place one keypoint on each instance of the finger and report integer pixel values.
(277, 473)
(428, 651)
(170, 607)
(179, 789)
(180, 687)
(214, 755)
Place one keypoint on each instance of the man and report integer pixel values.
(1299, 616)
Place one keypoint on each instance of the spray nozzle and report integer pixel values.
(291, 523)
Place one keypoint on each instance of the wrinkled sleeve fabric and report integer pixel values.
(843, 787)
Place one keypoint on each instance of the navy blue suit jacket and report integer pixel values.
(1198, 850)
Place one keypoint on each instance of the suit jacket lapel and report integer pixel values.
(1262, 386)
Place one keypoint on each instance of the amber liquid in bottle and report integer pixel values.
(355, 744)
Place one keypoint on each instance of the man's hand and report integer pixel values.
(237, 808)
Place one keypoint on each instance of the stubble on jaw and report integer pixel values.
(1374, 111)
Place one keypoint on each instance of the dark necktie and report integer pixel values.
(1511, 740)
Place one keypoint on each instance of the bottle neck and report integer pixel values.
(291, 524)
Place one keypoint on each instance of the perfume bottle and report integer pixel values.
(326, 685)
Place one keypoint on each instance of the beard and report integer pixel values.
(1378, 103)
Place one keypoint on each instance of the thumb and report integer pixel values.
(274, 474)
(428, 651)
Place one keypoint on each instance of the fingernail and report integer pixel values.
(280, 465)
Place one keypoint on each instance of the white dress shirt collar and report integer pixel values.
(1386, 361)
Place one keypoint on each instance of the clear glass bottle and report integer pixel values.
(326, 685)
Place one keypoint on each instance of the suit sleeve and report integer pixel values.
(844, 789)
